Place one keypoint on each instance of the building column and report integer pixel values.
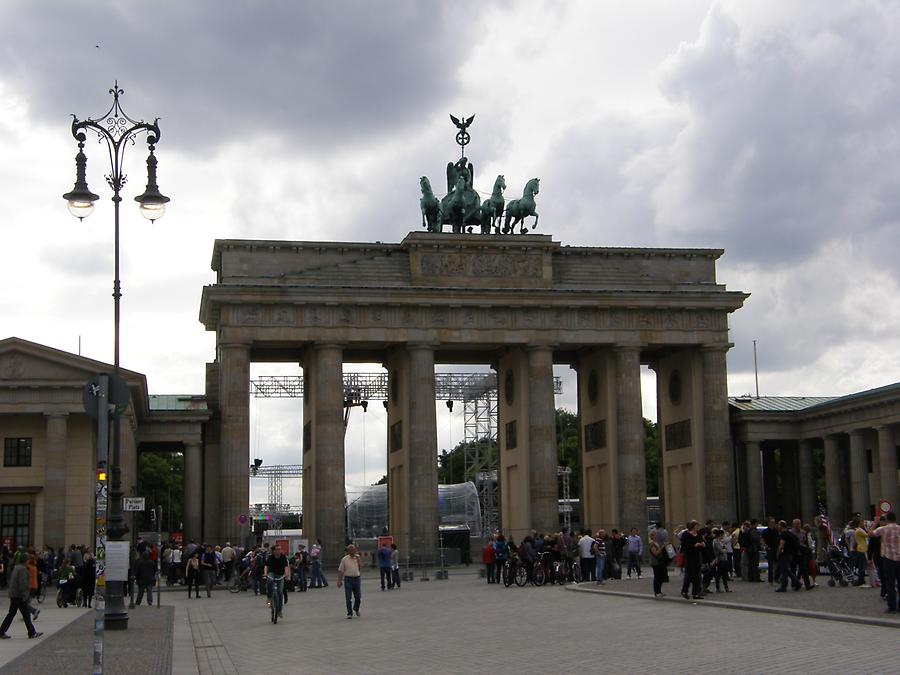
(193, 492)
(859, 473)
(55, 479)
(234, 407)
(328, 441)
(887, 462)
(834, 481)
(807, 477)
(755, 502)
(543, 458)
(718, 453)
(423, 493)
(630, 432)
(789, 491)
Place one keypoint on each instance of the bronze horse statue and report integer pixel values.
(431, 207)
(492, 208)
(518, 209)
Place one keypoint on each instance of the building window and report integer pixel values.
(17, 452)
(15, 520)
(396, 437)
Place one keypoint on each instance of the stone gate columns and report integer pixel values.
(193, 492)
(718, 454)
(55, 479)
(755, 502)
(543, 453)
(323, 449)
(834, 487)
(887, 460)
(234, 404)
(630, 430)
(599, 459)
(807, 476)
(423, 496)
(859, 473)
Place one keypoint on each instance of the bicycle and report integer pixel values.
(42, 587)
(275, 592)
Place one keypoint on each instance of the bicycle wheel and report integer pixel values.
(560, 572)
(576, 572)
(521, 575)
(79, 597)
(42, 593)
(59, 598)
(539, 577)
(507, 575)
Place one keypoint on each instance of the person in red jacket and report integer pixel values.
(489, 557)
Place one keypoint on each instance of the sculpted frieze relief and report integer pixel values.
(483, 317)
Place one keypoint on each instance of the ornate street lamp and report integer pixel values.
(118, 131)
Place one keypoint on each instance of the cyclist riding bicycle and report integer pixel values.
(274, 571)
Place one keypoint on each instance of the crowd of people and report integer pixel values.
(714, 554)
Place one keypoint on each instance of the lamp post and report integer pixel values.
(118, 131)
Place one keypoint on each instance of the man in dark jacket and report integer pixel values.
(145, 576)
(18, 588)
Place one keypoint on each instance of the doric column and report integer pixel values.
(630, 430)
(834, 480)
(234, 407)
(718, 453)
(423, 495)
(193, 492)
(859, 473)
(57, 431)
(887, 461)
(755, 502)
(807, 476)
(329, 446)
(543, 459)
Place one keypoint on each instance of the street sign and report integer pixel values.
(133, 503)
(118, 395)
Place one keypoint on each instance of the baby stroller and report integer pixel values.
(839, 567)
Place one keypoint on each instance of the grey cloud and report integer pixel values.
(318, 74)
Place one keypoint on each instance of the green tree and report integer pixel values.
(161, 483)
(568, 449)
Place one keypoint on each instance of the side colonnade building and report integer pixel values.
(794, 451)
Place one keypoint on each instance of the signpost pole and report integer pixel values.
(101, 392)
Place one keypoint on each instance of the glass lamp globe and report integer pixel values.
(153, 210)
(80, 209)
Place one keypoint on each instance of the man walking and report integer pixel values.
(384, 566)
(318, 579)
(890, 558)
(228, 561)
(635, 548)
(208, 565)
(585, 552)
(18, 583)
(349, 577)
(145, 576)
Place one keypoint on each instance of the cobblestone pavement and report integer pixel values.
(68, 644)
(464, 625)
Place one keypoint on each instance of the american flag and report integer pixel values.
(823, 516)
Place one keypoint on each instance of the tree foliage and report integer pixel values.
(161, 483)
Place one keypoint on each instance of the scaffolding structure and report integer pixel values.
(276, 473)
(478, 393)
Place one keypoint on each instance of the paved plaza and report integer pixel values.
(463, 625)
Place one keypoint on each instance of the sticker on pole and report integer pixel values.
(885, 507)
(242, 519)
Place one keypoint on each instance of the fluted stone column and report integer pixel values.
(630, 429)
(755, 501)
(329, 444)
(834, 480)
(807, 477)
(57, 430)
(423, 495)
(234, 407)
(193, 492)
(859, 474)
(543, 455)
(887, 460)
(718, 453)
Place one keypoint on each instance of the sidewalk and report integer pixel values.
(850, 604)
(68, 642)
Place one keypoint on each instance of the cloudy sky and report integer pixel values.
(768, 129)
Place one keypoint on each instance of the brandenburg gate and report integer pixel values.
(520, 303)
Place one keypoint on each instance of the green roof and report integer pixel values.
(795, 403)
(178, 402)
